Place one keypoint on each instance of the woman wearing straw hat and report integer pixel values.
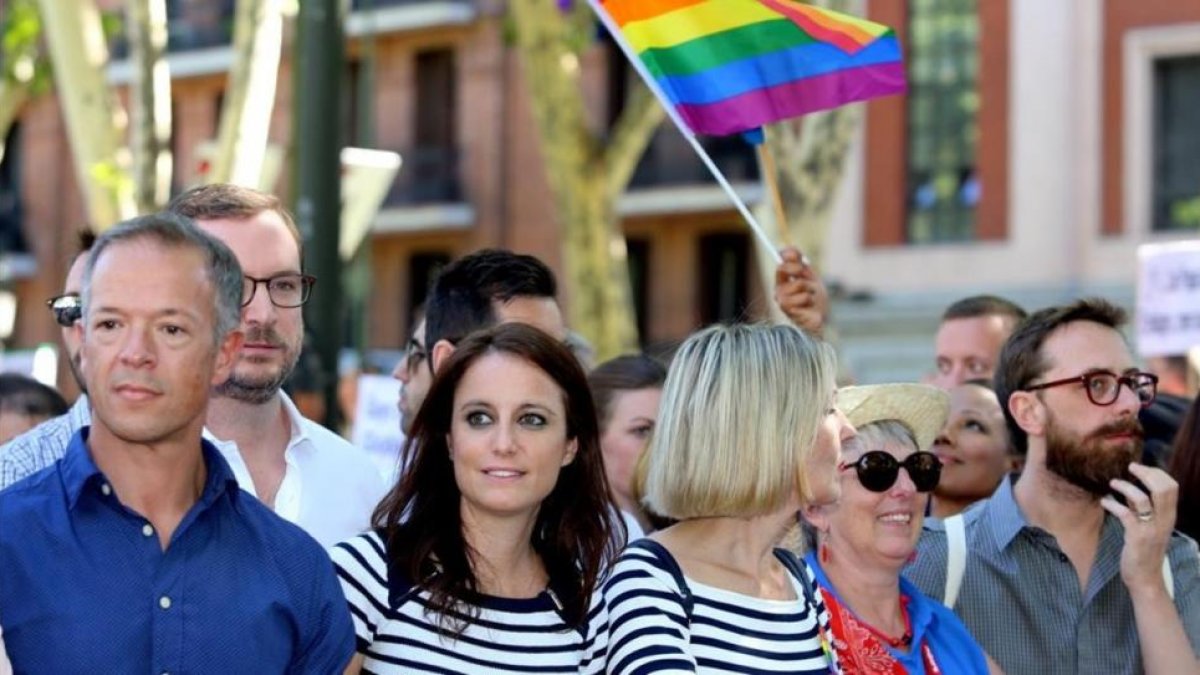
(747, 435)
(881, 624)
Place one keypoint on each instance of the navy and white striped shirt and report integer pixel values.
(509, 635)
(650, 631)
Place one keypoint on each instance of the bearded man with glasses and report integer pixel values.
(1075, 567)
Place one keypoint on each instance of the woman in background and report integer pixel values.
(627, 391)
(974, 449)
(1184, 467)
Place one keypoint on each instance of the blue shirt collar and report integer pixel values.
(1002, 515)
(79, 471)
(921, 617)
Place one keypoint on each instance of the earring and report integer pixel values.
(823, 554)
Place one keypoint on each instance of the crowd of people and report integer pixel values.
(735, 511)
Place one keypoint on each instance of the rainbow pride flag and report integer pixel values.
(729, 66)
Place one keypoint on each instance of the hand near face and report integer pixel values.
(1147, 534)
(799, 292)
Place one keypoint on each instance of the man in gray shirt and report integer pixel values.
(1060, 575)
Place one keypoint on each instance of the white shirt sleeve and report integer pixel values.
(5, 666)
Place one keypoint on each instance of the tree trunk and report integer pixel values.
(150, 93)
(587, 171)
(250, 95)
(79, 55)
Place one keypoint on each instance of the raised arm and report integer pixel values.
(799, 292)
(1149, 521)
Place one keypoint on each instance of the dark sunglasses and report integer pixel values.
(877, 470)
(67, 308)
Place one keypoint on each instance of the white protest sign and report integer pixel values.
(1168, 298)
(377, 422)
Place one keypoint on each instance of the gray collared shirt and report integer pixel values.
(42, 445)
(1021, 599)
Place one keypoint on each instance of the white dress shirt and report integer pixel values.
(5, 666)
(329, 487)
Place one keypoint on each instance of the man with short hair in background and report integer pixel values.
(970, 336)
(298, 468)
(485, 288)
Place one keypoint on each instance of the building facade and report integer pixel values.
(1040, 143)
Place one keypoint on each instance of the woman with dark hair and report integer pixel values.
(974, 448)
(485, 556)
(1184, 467)
(627, 390)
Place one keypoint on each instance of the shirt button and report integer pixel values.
(164, 602)
(106, 489)
(148, 530)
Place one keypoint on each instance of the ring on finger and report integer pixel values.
(1145, 516)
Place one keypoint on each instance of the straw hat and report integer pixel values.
(920, 407)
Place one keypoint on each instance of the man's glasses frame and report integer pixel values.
(1143, 385)
(878, 470)
(67, 309)
(275, 287)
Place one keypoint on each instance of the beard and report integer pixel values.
(1090, 462)
(258, 389)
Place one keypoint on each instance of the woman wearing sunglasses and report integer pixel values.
(880, 623)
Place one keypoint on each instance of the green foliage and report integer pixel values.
(1185, 213)
(576, 28)
(22, 58)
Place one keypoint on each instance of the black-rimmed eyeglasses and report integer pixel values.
(284, 290)
(67, 309)
(1104, 388)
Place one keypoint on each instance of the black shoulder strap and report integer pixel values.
(798, 569)
(667, 562)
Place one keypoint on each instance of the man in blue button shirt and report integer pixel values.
(137, 552)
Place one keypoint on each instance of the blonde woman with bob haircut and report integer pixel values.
(748, 434)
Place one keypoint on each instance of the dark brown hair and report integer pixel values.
(1021, 360)
(976, 306)
(576, 531)
(624, 373)
(225, 200)
(1184, 467)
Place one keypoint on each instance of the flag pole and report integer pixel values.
(683, 128)
(766, 160)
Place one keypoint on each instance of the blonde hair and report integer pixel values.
(739, 417)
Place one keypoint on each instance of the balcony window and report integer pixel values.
(670, 161)
(943, 107)
(724, 278)
(429, 176)
(1177, 143)
(191, 24)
